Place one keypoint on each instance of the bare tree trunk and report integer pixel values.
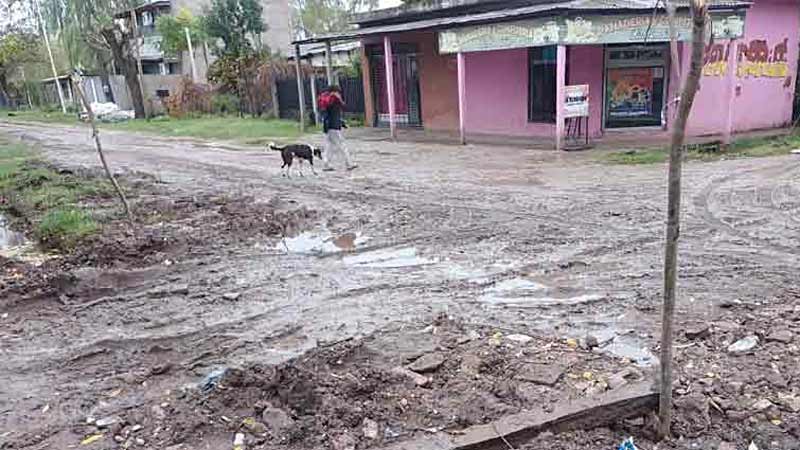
(76, 80)
(105, 80)
(120, 44)
(692, 83)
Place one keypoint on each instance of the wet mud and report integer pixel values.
(233, 266)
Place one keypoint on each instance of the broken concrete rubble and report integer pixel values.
(427, 363)
(543, 374)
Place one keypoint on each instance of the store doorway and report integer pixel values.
(406, 86)
(635, 85)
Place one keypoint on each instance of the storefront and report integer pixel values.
(505, 71)
(406, 85)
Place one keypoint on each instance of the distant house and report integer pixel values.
(536, 69)
(154, 62)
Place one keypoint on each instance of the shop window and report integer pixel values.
(542, 84)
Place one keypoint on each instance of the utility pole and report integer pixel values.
(329, 63)
(50, 54)
(690, 86)
(191, 53)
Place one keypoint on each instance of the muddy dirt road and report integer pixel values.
(533, 242)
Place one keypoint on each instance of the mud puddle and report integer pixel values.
(389, 259)
(525, 293)
(15, 246)
(321, 242)
(8, 237)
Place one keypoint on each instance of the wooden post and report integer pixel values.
(692, 83)
(388, 61)
(462, 98)
(300, 94)
(276, 106)
(191, 54)
(314, 98)
(329, 63)
(52, 60)
(94, 90)
(561, 75)
(730, 77)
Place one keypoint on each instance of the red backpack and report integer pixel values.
(324, 101)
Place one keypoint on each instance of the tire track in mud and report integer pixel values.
(778, 176)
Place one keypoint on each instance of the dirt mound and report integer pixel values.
(167, 228)
(361, 394)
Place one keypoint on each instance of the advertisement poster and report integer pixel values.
(576, 100)
(630, 92)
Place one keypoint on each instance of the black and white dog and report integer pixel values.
(300, 152)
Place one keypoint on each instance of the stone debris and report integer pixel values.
(427, 363)
(543, 374)
(743, 345)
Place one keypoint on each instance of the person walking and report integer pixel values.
(332, 106)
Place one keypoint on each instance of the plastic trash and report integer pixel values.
(627, 444)
(211, 380)
(91, 439)
(743, 345)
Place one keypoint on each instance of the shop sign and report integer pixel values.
(576, 100)
(597, 29)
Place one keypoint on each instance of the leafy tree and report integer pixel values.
(16, 49)
(93, 23)
(236, 23)
(314, 17)
(173, 37)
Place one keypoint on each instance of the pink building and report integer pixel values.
(525, 68)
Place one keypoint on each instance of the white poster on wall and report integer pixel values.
(576, 100)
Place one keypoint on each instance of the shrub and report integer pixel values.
(225, 104)
(189, 98)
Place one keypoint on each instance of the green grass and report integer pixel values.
(40, 116)
(742, 148)
(48, 200)
(245, 130)
(65, 226)
(210, 127)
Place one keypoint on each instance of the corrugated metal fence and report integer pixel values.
(289, 105)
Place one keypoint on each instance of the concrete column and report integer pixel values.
(561, 81)
(730, 83)
(189, 45)
(462, 98)
(300, 93)
(94, 90)
(388, 60)
(314, 98)
(329, 63)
